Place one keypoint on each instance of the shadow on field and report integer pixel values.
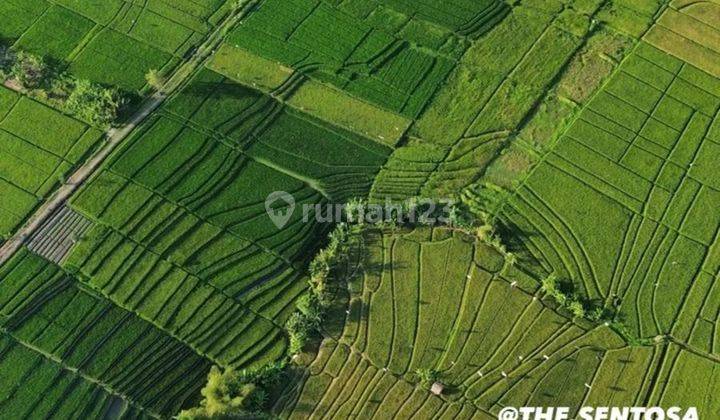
(514, 237)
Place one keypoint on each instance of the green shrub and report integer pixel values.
(426, 377)
(94, 103)
(235, 394)
(31, 71)
(155, 79)
(576, 308)
(299, 329)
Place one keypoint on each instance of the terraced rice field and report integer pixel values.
(181, 222)
(39, 147)
(689, 31)
(586, 132)
(113, 42)
(71, 344)
(373, 58)
(495, 89)
(641, 152)
(434, 300)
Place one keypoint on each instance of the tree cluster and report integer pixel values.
(235, 394)
(46, 82)
(311, 307)
(566, 298)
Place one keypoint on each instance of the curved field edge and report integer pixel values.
(501, 343)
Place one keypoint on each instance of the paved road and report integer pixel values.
(116, 136)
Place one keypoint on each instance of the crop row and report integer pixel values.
(183, 305)
(228, 261)
(638, 157)
(35, 386)
(494, 91)
(54, 239)
(114, 42)
(486, 336)
(686, 30)
(44, 308)
(365, 61)
(432, 300)
(39, 146)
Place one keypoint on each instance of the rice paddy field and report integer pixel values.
(113, 42)
(40, 146)
(580, 137)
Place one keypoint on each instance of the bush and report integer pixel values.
(598, 313)
(299, 329)
(30, 70)
(223, 396)
(549, 285)
(235, 394)
(7, 58)
(565, 297)
(154, 79)
(426, 377)
(93, 103)
(311, 307)
(576, 308)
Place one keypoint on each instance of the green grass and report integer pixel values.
(475, 78)
(118, 60)
(40, 146)
(158, 30)
(185, 240)
(18, 16)
(33, 121)
(688, 379)
(594, 151)
(249, 69)
(630, 136)
(370, 58)
(101, 11)
(180, 303)
(66, 392)
(682, 34)
(111, 42)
